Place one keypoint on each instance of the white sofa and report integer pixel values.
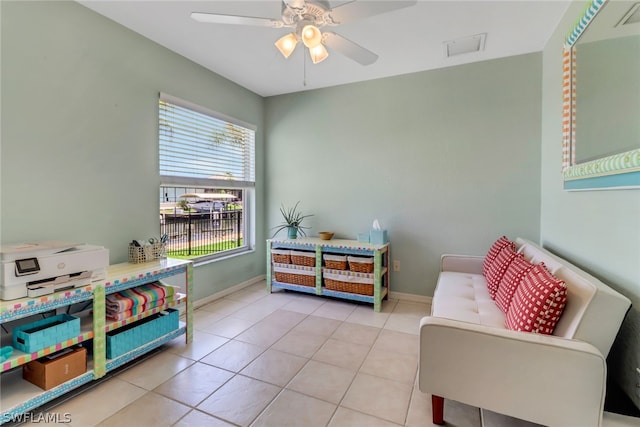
(467, 354)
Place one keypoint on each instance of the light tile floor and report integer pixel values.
(281, 359)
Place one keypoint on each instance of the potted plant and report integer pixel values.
(292, 222)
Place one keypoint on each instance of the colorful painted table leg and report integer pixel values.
(318, 270)
(377, 281)
(99, 334)
(269, 267)
(190, 296)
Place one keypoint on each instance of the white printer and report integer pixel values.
(35, 269)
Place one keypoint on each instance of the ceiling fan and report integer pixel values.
(306, 18)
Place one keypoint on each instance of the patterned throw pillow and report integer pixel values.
(497, 269)
(494, 250)
(510, 281)
(538, 302)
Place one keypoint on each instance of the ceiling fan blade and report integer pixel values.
(348, 48)
(294, 4)
(353, 10)
(216, 18)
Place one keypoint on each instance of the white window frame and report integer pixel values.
(247, 186)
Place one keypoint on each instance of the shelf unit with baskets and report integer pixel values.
(20, 396)
(338, 268)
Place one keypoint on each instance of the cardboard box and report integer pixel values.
(55, 369)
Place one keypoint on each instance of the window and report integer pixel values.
(207, 180)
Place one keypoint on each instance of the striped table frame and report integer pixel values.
(119, 277)
(615, 171)
(380, 254)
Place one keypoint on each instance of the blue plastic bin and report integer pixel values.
(35, 336)
(133, 335)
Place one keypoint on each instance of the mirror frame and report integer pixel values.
(618, 171)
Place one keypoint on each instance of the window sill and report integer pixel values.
(201, 262)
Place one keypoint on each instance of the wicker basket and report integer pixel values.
(360, 264)
(303, 276)
(355, 283)
(336, 262)
(281, 256)
(295, 279)
(138, 254)
(158, 250)
(354, 288)
(303, 258)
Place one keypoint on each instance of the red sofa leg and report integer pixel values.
(437, 404)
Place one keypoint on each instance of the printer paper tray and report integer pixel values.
(59, 284)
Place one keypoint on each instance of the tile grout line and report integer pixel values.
(357, 371)
(282, 390)
(288, 330)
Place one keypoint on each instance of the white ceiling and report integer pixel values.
(406, 40)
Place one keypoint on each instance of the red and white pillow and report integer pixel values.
(511, 280)
(537, 303)
(497, 268)
(494, 250)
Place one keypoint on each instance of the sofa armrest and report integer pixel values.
(462, 263)
(545, 379)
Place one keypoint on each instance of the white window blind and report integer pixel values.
(200, 146)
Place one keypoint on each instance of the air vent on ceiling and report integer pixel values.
(464, 45)
(631, 17)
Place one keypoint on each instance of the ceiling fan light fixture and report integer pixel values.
(306, 17)
(287, 44)
(318, 53)
(311, 36)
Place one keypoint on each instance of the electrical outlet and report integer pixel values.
(396, 265)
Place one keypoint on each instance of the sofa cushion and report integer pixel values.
(494, 250)
(537, 303)
(510, 281)
(497, 268)
(535, 256)
(464, 297)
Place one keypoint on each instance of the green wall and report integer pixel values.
(448, 160)
(597, 230)
(79, 132)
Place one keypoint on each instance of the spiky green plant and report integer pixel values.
(292, 219)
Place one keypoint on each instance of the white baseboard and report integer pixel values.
(223, 293)
(206, 300)
(410, 297)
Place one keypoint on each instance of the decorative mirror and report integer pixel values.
(601, 98)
